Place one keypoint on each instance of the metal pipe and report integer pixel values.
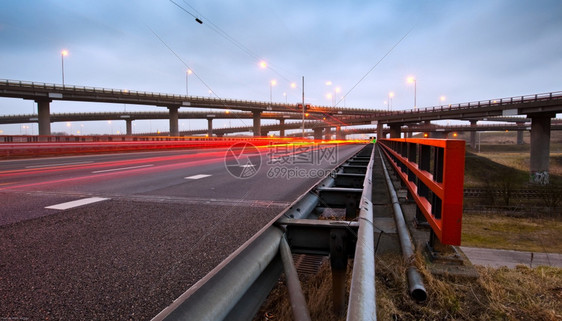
(362, 294)
(415, 281)
(296, 297)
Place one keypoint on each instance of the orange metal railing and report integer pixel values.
(433, 171)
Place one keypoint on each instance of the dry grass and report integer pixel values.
(318, 292)
(498, 294)
(512, 233)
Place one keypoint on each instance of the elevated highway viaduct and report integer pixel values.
(44, 94)
(540, 108)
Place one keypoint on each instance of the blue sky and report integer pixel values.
(463, 50)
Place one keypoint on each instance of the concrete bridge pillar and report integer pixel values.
(257, 123)
(318, 133)
(327, 133)
(210, 127)
(395, 130)
(282, 127)
(473, 123)
(380, 133)
(520, 133)
(129, 126)
(339, 134)
(540, 147)
(44, 115)
(174, 120)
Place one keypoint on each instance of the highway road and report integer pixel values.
(119, 236)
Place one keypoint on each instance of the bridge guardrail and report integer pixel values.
(30, 146)
(479, 104)
(30, 85)
(433, 171)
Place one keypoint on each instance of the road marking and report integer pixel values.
(121, 169)
(198, 176)
(84, 201)
(61, 164)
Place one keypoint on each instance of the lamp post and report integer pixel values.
(187, 73)
(271, 84)
(336, 91)
(390, 96)
(62, 54)
(410, 80)
(442, 99)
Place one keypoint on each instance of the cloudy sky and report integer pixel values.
(463, 50)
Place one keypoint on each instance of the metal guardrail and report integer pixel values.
(557, 95)
(127, 138)
(235, 289)
(32, 146)
(433, 172)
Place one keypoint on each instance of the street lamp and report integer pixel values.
(62, 54)
(187, 73)
(442, 99)
(337, 90)
(412, 79)
(330, 97)
(271, 84)
(390, 96)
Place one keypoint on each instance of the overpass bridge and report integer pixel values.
(540, 108)
(44, 94)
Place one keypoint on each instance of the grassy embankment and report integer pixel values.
(501, 164)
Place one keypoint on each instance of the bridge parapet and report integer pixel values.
(433, 172)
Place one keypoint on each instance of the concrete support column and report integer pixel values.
(210, 127)
(473, 123)
(282, 127)
(339, 134)
(257, 123)
(380, 134)
(129, 126)
(44, 115)
(327, 133)
(174, 120)
(520, 133)
(540, 147)
(318, 133)
(395, 130)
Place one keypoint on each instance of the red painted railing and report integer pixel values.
(433, 171)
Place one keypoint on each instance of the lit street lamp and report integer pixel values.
(390, 96)
(187, 73)
(271, 84)
(62, 54)
(410, 80)
(442, 99)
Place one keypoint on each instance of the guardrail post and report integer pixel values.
(338, 262)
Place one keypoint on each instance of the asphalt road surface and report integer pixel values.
(119, 236)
